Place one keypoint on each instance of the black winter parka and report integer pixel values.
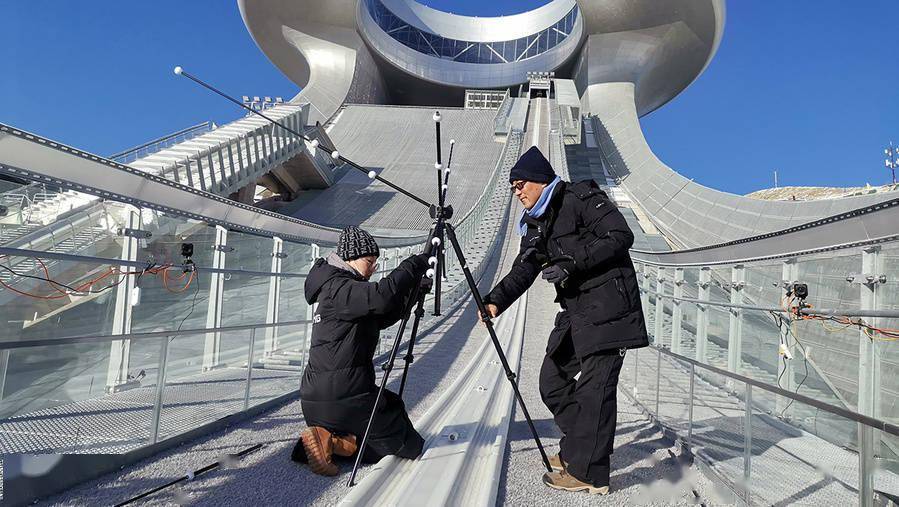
(338, 386)
(601, 296)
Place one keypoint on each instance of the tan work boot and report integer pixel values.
(344, 445)
(317, 442)
(562, 480)
(556, 463)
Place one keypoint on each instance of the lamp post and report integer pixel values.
(892, 160)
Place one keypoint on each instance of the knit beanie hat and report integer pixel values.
(354, 243)
(532, 166)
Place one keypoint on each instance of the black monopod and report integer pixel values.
(440, 214)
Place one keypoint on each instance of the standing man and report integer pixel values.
(338, 389)
(575, 236)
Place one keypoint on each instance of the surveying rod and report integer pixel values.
(438, 280)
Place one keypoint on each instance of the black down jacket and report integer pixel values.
(338, 388)
(601, 296)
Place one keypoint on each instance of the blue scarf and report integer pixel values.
(539, 208)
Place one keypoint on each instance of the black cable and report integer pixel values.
(193, 303)
(54, 282)
(190, 476)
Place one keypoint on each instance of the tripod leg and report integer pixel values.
(419, 313)
(388, 367)
(451, 233)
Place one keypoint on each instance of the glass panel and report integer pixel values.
(199, 389)
(54, 402)
(278, 374)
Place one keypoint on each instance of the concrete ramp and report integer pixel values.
(399, 143)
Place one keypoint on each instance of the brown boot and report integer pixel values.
(556, 463)
(317, 442)
(562, 480)
(344, 445)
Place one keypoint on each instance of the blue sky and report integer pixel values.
(807, 87)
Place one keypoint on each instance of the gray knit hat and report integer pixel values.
(355, 243)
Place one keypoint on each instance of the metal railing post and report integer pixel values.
(213, 341)
(690, 416)
(660, 307)
(4, 365)
(677, 312)
(274, 297)
(636, 377)
(735, 332)
(160, 388)
(785, 373)
(658, 380)
(747, 443)
(246, 395)
(869, 375)
(120, 351)
(702, 315)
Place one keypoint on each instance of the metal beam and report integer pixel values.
(213, 343)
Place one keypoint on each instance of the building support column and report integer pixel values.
(213, 344)
(120, 350)
(274, 297)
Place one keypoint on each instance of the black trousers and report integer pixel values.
(391, 433)
(586, 409)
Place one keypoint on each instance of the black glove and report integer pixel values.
(426, 285)
(421, 260)
(559, 272)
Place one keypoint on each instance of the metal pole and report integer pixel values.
(160, 388)
(869, 376)
(677, 312)
(702, 315)
(636, 363)
(213, 341)
(690, 418)
(120, 351)
(658, 380)
(660, 306)
(735, 331)
(747, 442)
(246, 395)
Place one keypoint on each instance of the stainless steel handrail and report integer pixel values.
(878, 424)
(888, 314)
(39, 254)
(140, 336)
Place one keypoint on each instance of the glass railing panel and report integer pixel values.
(199, 389)
(175, 299)
(688, 312)
(835, 347)
(292, 301)
(276, 376)
(719, 317)
(54, 401)
(759, 356)
(246, 296)
(37, 309)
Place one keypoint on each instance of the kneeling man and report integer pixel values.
(338, 389)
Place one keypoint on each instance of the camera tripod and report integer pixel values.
(443, 229)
